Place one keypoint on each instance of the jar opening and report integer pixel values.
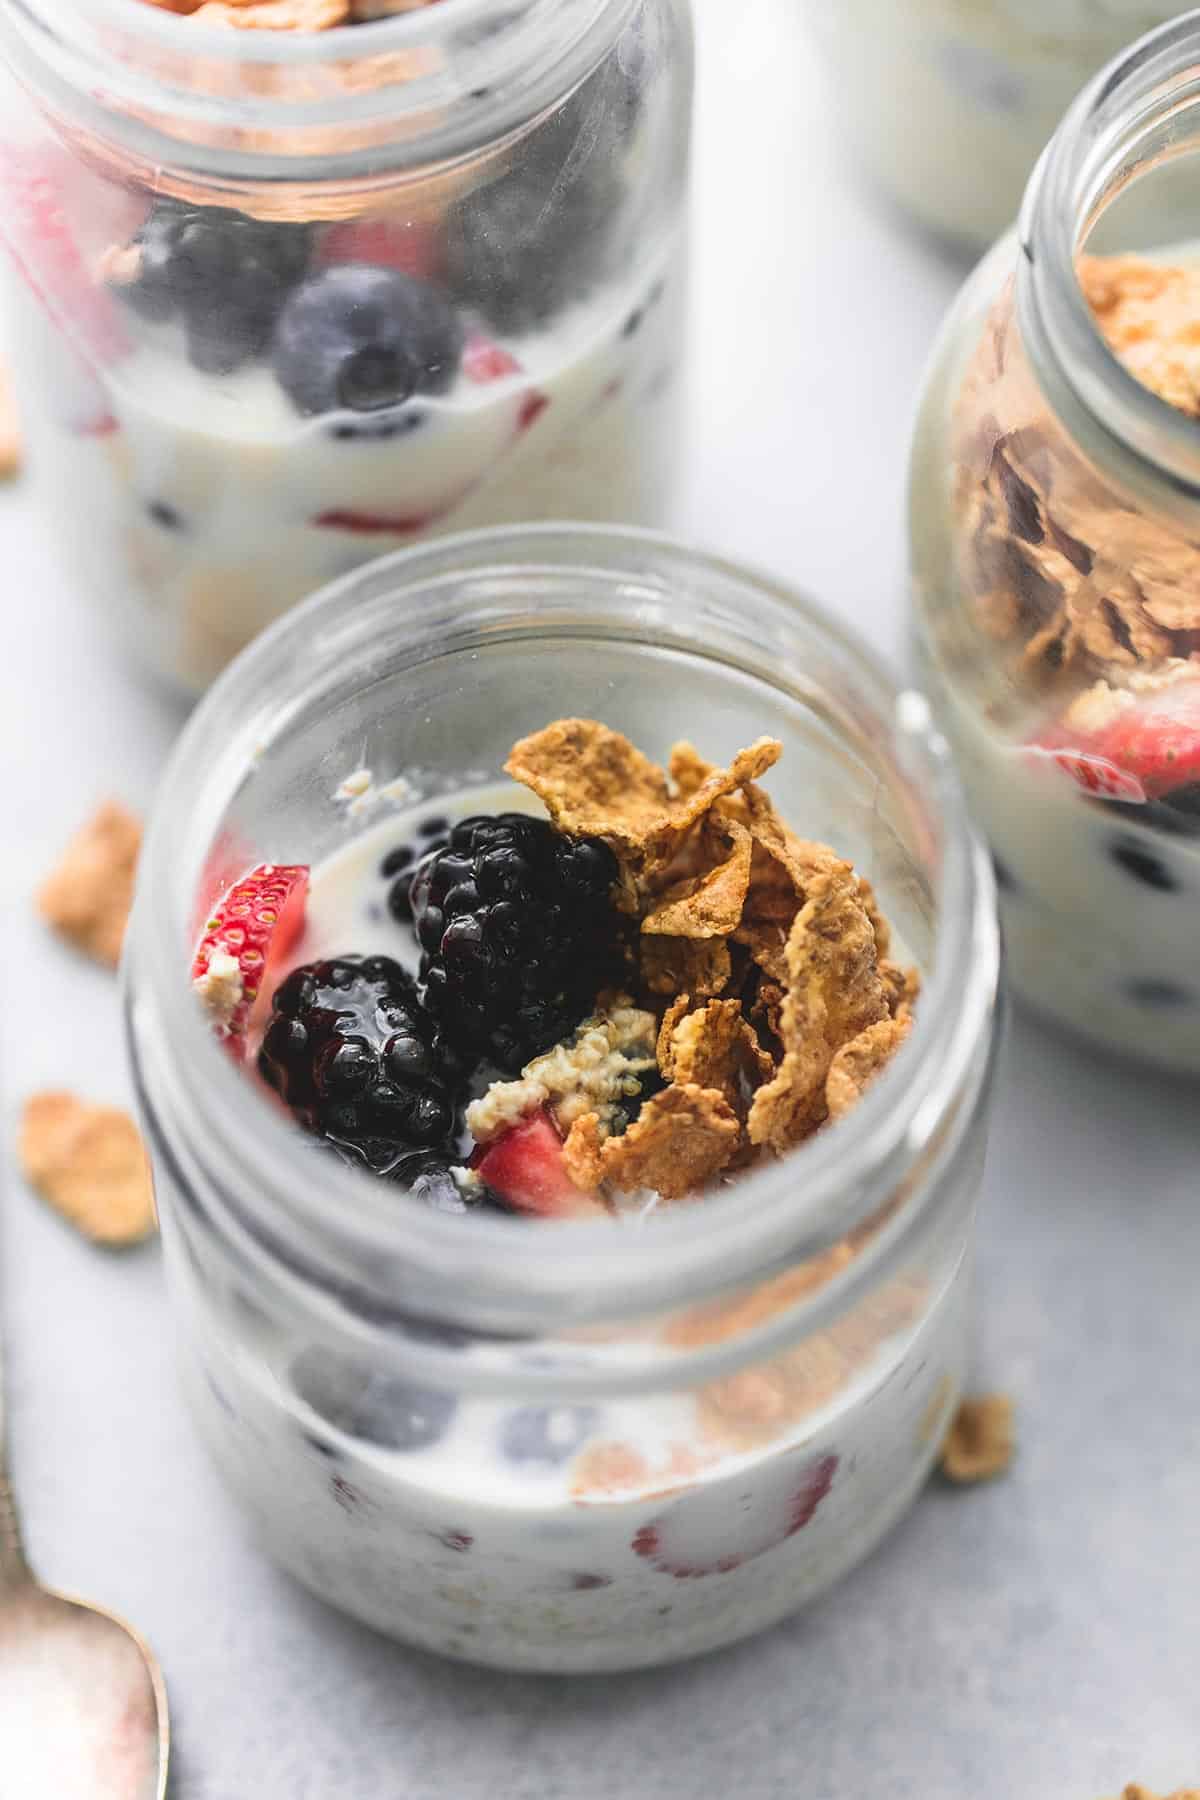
(426, 625)
(1118, 176)
(135, 84)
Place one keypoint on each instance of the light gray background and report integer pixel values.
(1040, 1637)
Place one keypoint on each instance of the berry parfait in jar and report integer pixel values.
(1055, 517)
(297, 282)
(566, 1133)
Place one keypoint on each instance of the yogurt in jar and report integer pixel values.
(624, 1521)
(202, 506)
(949, 102)
(1058, 626)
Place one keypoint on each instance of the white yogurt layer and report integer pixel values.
(586, 1529)
(200, 508)
(1099, 911)
(950, 102)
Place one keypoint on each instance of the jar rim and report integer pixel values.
(420, 88)
(1127, 115)
(761, 1223)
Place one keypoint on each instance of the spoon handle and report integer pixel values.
(14, 1570)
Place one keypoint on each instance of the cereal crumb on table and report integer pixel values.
(88, 1162)
(88, 897)
(981, 1439)
(1135, 1791)
(11, 447)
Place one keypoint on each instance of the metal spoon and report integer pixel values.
(83, 1709)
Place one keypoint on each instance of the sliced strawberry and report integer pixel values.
(532, 408)
(412, 246)
(1094, 774)
(709, 1531)
(340, 518)
(51, 261)
(1158, 739)
(484, 361)
(251, 928)
(524, 1166)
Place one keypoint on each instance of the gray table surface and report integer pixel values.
(1040, 1637)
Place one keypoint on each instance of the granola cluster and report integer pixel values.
(1085, 592)
(766, 954)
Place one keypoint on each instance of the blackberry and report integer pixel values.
(518, 934)
(359, 1061)
(550, 228)
(226, 276)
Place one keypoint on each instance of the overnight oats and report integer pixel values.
(313, 282)
(578, 1275)
(988, 81)
(1056, 556)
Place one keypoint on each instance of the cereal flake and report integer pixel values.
(857, 1063)
(709, 904)
(88, 897)
(88, 1162)
(833, 993)
(678, 1142)
(594, 783)
(698, 966)
(714, 1047)
(11, 447)
(981, 1440)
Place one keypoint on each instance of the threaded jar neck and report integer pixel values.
(1110, 180)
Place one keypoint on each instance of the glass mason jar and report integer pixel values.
(287, 300)
(988, 81)
(1055, 521)
(746, 1391)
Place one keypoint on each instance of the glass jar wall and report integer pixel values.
(1055, 509)
(287, 300)
(949, 102)
(566, 1446)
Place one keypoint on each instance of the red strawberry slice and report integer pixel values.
(1095, 774)
(524, 1166)
(532, 408)
(1158, 739)
(252, 926)
(484, 361)
(410, 245)
(711, 1531)
(45, 249)
(341, 518)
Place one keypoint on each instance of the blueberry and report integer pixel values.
(164, 515)
(363, 338)
(547, 1435)
(371, 1404)
(402, 425)
(1143, 865)
(399, 904)
(1006, 881)
(433, 827)
(1158, 995)
(401, 858)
